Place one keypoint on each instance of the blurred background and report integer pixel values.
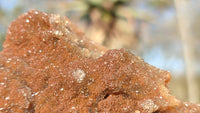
(165, 33)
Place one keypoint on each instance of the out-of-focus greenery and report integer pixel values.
(108, 8)
(1, 40)
(109, 15)
(161, 4)
(2, 35)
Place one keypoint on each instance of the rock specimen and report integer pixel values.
(48, 66)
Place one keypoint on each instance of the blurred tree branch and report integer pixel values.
(185, 19)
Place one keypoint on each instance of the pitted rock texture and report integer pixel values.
(48, 66)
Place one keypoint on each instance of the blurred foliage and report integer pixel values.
(2, 35)
(17, 10)
(1, 12)
(108, 11)
(108, 8)
(161, 4)
(2, 38)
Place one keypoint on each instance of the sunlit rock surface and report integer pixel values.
(48, 66)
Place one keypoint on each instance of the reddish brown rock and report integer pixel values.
(48, 66)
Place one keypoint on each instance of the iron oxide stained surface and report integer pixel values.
(49, 66)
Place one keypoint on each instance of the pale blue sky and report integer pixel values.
(8, 4)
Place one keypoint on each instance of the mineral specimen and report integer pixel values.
(48, 66)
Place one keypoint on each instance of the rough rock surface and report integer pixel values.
(48, 66)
